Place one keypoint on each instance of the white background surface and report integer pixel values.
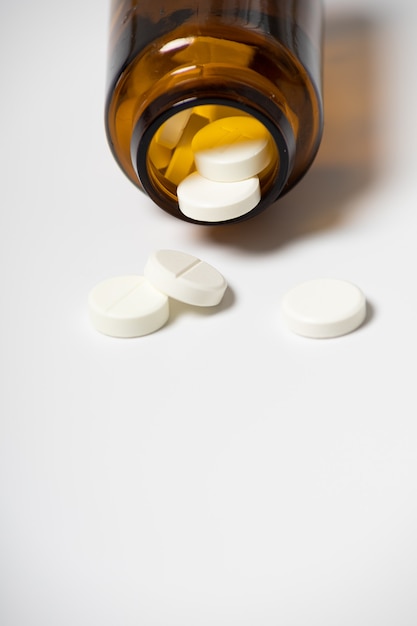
(221, 471)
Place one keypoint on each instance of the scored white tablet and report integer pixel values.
(127, 306)
(186, 278)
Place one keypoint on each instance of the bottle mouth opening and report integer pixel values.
(163, 156)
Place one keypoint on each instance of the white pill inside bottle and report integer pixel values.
(206, 200)
(232, 149)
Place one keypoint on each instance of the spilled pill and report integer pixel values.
(132, 306)
(127, 306)
(324, 308)
(185, 277)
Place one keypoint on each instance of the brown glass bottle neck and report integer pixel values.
(235, 95)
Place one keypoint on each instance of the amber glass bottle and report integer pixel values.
(214, 58)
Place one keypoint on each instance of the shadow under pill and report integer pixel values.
(370, 314)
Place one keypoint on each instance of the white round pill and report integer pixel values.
(211, 201)
(170, 132)
(324, 308)
(186, 278)
(127, 306)
(232, 149)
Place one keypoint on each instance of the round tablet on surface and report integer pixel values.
(232, 149)
(186, 278)
(324, 308)
(127, 306)
(210, 201)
